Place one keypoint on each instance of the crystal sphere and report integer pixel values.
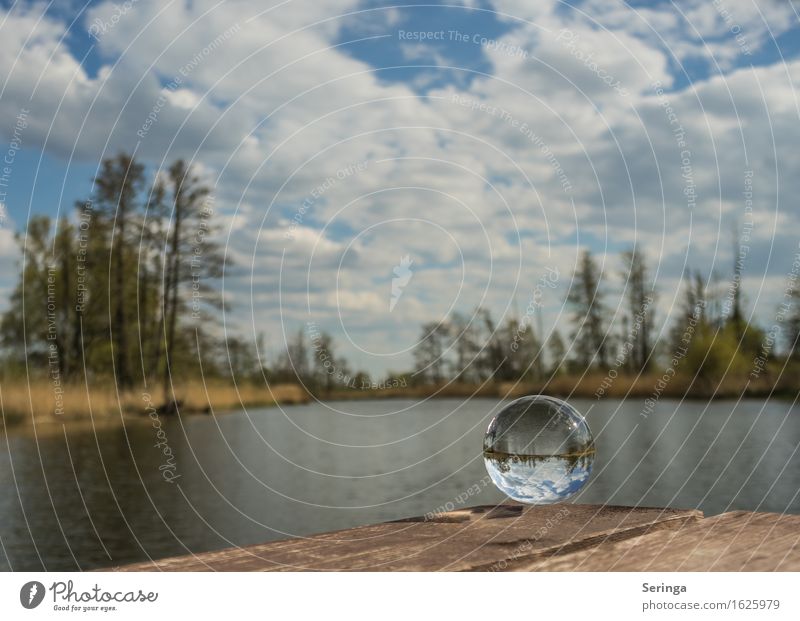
(538, 450)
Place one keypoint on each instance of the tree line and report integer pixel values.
(707, 337)
(127, 291)
(123, 291)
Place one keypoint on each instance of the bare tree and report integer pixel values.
(429, 353)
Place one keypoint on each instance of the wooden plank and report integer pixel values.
(736, 541)
(480, 538)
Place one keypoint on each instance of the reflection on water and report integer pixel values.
(539, 479)
(86, 497)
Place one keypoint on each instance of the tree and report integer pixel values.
(191, 260)
(24, 324)
(714, 292)
(493, 356)
(589, 313)
(640, 296)
(39, 328)
(749, 337)
(117, 190)
(429, 353)
(152, 275)
(91, 295)
(362, 379)
(557, 352)
(791, 324)
(293, 365)
(465, 337)
(67, 338)
(713, 353)
(524, 358)
(691, 314)
(736, 315)
(240, 359)
(324, 362)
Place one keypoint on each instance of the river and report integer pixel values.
(84, 496)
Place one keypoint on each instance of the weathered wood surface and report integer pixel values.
(488, 538)
(521, 538)
(736, 541)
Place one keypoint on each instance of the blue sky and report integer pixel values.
(488, 153)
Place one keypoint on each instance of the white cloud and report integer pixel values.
(274, 106)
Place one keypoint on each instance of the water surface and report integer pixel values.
(81, 497)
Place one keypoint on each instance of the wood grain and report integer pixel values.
(736, 541)
(486, 538)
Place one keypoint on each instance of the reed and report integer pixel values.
(39, 402)
(22, 402)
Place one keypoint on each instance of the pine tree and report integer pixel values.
(91, 295)
(557, 352)
(525, 350)
(640, 297)
(589, 313)
(24, 324)
(117, 191)
(191, 261)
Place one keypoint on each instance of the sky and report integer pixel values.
(376, 166)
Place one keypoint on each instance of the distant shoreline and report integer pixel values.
(21, 405)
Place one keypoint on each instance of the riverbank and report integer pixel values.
(22, 403)
(595, 386)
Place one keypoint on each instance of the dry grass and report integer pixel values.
(679, 386)
(560, 386)
(587, 387)
(225, 397)
(21, 402)
(453, 389)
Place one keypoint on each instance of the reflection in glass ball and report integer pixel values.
(538, 450)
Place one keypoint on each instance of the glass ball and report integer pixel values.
(538, 450)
